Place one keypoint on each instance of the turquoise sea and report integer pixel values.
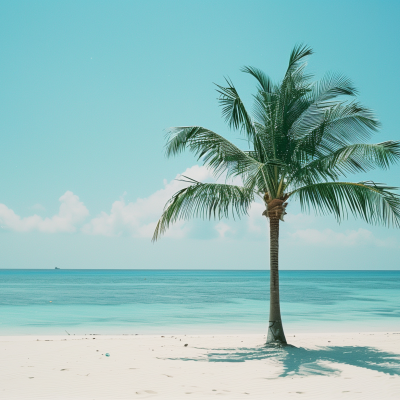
(194, 301)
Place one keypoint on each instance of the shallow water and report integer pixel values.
(176, 301)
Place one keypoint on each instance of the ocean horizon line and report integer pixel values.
(193, 269)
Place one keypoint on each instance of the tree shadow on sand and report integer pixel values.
(301, 361)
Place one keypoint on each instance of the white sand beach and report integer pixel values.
(321, 366)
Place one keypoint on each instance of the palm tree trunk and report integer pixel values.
(275, 329)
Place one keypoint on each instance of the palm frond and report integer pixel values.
(354, 158)
(363, 157)
(309, 111)
(298, 53)
(204, 200)
(233, 109)
(341, 126)
(215, 151)
(262, 178)
(373, 202)
(332, 85)
(264, 80)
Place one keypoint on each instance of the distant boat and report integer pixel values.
(56, 268)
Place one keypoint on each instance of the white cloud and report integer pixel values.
(38, 207)
(300, 220)
(72, 213)
(139, 218)
(222, 228)
(349, 238)
(256, 221)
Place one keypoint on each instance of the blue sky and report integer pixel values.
(88, 88)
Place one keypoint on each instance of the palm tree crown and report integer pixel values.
(303, 137)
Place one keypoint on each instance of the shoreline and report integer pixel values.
(356, 365)
(307, 333)
(324, 328)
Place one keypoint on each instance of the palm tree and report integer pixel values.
(303, 137)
